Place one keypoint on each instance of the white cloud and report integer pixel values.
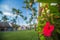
(5, 7)
(7, 10)
(9, 14)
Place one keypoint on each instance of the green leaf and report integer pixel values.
(49, 1)
(42, 38)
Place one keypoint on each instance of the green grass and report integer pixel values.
(19, 35)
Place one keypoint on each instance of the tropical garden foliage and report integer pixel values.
(48, 20)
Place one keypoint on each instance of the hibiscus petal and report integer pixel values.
(51, 28)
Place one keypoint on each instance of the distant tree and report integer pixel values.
(29, 6)
(4, 18)
(17, 12)
(1, 12)
(26, 2)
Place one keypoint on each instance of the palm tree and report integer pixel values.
(34, 14)
(4, 18)
(17, 12)
(29, 5)
(1, 13)
(26, 2)
(14, 21)
(30, 20)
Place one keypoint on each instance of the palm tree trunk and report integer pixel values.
(33, 16)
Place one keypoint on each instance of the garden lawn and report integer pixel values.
(19, 35)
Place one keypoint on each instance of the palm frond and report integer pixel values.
(1, 12)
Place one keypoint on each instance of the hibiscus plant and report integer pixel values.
(48, 21)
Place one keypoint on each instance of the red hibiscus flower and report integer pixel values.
(48, 29)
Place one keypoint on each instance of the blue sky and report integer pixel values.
(7, 5)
